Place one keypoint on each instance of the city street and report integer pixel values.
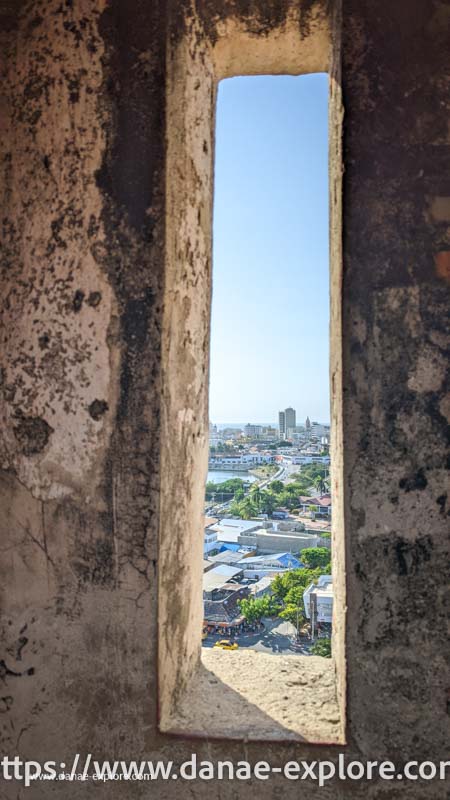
(277, 638)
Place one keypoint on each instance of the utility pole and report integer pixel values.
(313, 612)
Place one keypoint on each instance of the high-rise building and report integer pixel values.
(286, 421)
(289, 418)
(252, 430)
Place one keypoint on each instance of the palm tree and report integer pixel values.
(268, 502)
(255, 494)
(319, 483)
(247, 508)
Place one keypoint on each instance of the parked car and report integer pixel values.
(226, 644)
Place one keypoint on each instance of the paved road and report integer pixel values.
(276, 639)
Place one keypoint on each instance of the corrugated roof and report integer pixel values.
(232, 546)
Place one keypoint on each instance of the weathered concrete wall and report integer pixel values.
(82, 275)
(396, 335)
(83, 279)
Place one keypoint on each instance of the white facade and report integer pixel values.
(229, 529)
(319, 430)
(210, 541)
(244, 460)
(321, 594)
(252, 430)
(306, 459)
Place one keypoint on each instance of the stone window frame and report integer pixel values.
(207, 694)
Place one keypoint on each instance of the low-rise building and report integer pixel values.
(318, 600)
(252, 431)
(261, 587)
(260, 566)
(269, 540)
(229, 557)
(321, 504)
(218, 577)
(229, 529)
(224, 615)
(243, 461)
(210, 536)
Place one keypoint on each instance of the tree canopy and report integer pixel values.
(254, 609)
(288, 589)
(317, 557)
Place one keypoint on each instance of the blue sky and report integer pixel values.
(270, 311)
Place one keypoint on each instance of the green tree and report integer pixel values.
(287, 499)
(235, 508)
(255, 494)
(229, 488)
(276, 486)
(254, 609)
(301, 577)
(294, 609)
(322, 648)
(319, 483)
(247, 508)
(268, 502)
(315, 557)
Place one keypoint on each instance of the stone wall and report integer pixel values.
(85, 351)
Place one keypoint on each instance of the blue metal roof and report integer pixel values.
(286, 560)
(234, 546)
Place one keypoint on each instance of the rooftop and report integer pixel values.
(218, 576)
(227, 557)
(228, 530)
(286, 560)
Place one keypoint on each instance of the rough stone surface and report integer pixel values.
(224, 699)
(55, 357)
(86, 284)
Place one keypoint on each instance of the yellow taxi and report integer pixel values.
(226, 644)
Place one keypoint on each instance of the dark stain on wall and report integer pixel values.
(94, 299)
(32, 434)
(259, 18)
(416, 482)
(135, 60)
(97, 408)
(77, 300)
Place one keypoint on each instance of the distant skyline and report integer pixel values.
(270, 310)
(274, 423)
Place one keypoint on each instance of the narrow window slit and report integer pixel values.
(249, 606)
(267, 584)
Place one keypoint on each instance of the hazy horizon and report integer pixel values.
(274, 423)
